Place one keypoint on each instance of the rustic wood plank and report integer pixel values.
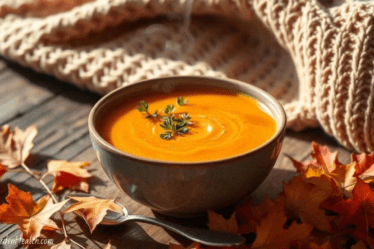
(18, 95)
(23, 89)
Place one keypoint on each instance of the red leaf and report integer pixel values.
(358, 211)
(72, 175)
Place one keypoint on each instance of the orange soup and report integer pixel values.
(208, 124)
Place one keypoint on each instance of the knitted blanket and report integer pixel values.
(317, 58)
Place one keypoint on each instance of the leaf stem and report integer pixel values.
(23, 171)
(76, 243)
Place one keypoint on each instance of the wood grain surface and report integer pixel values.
(60, 111)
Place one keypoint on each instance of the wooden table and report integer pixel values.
(60, 111)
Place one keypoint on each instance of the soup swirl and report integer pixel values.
(222, 124)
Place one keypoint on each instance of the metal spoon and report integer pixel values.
(203, 236)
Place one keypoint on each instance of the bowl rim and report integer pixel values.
(281, 125)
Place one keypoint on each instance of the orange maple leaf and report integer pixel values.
(15, 146)
(326, 172)
(93, 209)
(30, 217)
(70, 175)
(248, 217)
(364, 163)
(302, 201)
(357, 211)
(323, 159)
(272, 234)
(217, 222)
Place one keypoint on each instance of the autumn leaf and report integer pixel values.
(302, 201)
(15, 146)
(4, 131)
(30, 217)
(364, 163)
(62, 245)
(272, 234)
(357, 212)
(248, 217)
(326, 172)
(318, 178)
(324, 157)
(70, 175)
(299, 166)
(345, 179)
(217, 222)
(108, 246)
(93, 209)
(364, 166)
(2, 170)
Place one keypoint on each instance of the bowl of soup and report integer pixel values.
(183, 145)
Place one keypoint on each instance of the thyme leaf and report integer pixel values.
(169, 109)
(167, 135)
(173, 124)
(181, 101)
(143, 106)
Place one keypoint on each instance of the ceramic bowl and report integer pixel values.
(187, 188)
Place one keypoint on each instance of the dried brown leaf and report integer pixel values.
(93, 209)
(15, 146)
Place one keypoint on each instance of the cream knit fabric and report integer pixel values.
(317, 60)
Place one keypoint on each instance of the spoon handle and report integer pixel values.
(203, 236)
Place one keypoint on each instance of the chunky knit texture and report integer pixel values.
(318, 60)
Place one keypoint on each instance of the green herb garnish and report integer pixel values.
(167, 135)
(169, 109)
(144, 108)
(186, 116)
(181, 101)
(173, 124)
(168, 123)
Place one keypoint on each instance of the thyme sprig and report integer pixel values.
(173, 124)
(144, 108)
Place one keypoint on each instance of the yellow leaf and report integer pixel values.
(303, 200)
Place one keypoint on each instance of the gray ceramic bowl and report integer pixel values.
(187, 188)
